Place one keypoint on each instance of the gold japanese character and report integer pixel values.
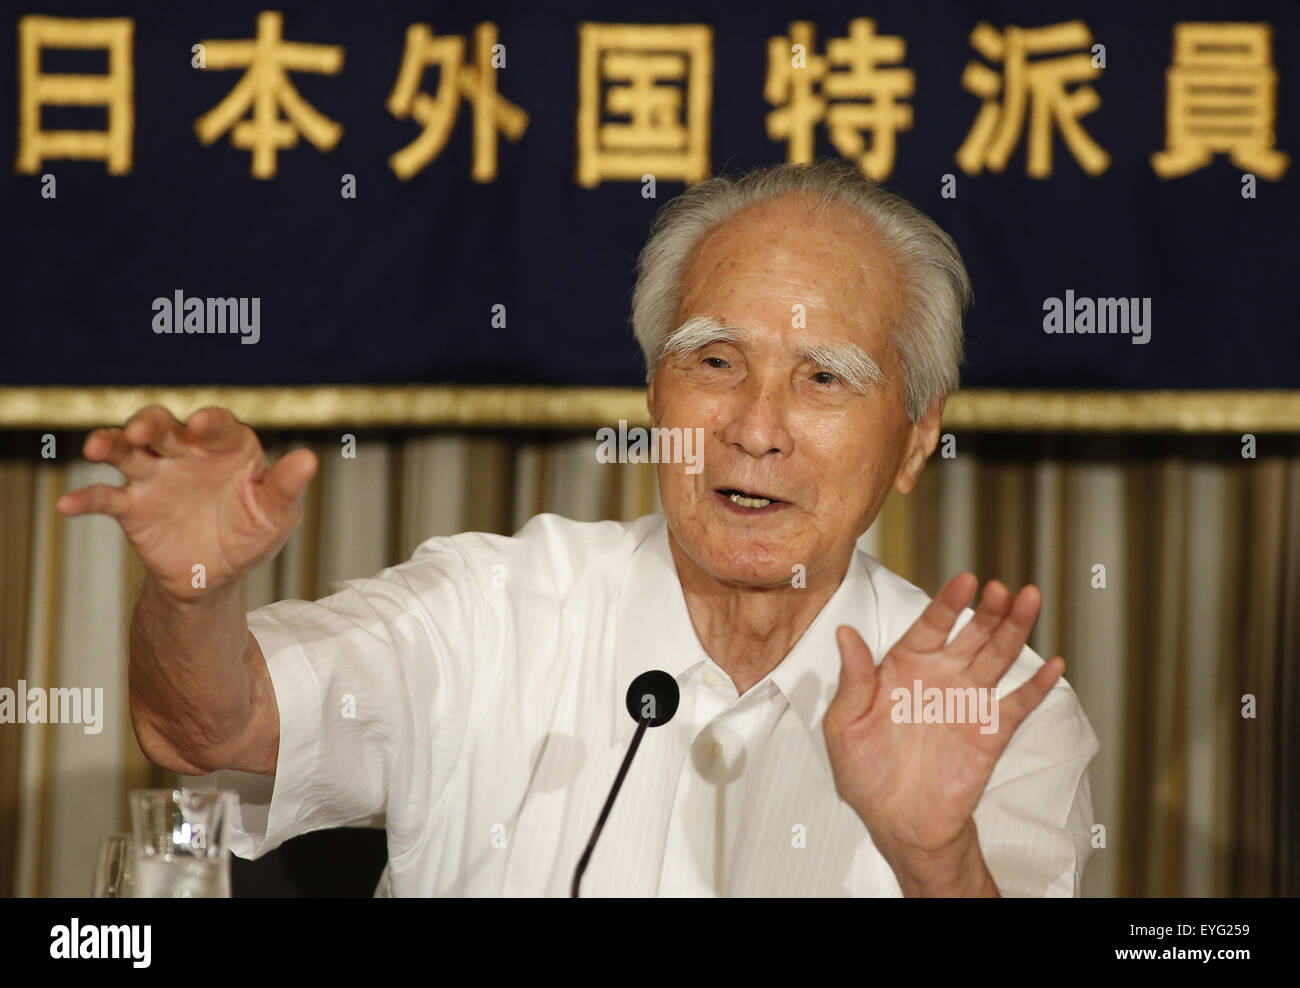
(658, 80)
(1037, 88)
(1221, 97)
(112, 90)
(801, 85)
(265, 90)
(475, 83)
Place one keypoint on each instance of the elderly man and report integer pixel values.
(472, 699)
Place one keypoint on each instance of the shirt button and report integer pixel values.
(714, 749)
(710, 680)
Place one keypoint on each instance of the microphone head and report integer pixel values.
(653, 698)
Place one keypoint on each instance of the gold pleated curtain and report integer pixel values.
(1170, 567)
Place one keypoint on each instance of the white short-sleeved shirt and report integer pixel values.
(472, 701)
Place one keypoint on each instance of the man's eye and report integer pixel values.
(825, 377)
(717, 362)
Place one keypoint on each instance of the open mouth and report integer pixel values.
(748, 499)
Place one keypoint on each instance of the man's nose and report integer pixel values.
(758, 419)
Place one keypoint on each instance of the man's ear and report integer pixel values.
(923, 437)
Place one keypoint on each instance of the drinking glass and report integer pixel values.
(112, 879)
(180, 848)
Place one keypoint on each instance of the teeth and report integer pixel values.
(750, 502)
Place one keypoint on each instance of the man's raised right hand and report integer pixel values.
(198, 493)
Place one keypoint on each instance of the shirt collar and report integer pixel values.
(654, 631)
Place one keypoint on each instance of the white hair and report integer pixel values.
(936, 292)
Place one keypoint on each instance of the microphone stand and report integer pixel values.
(609, 804)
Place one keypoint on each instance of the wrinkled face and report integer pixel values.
(803, 294)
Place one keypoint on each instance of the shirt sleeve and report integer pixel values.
(1035, 817)
(372, 685)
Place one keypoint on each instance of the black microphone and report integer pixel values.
(651, 700)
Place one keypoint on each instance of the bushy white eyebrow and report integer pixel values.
(698, 332)
(847, 361)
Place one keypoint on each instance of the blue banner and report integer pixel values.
(421, 192)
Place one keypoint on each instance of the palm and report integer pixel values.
(916, 785)
(196, 495)
(201, 509)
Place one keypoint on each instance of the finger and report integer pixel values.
(1008, 639)
(931, 630)
(97, 499)
(1013, 709)
(993, 606)
(290, 476)
(217, 429)
(156, 428)
(110, 446)
(857, 687)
